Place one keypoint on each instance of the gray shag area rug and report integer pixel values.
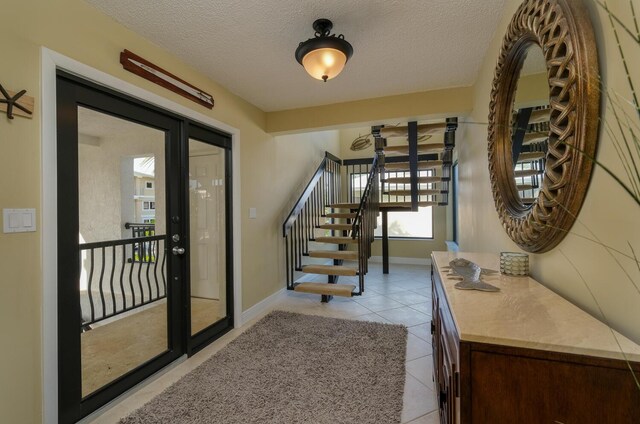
(292, 368)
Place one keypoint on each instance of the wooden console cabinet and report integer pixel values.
(525, 355)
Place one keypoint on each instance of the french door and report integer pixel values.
(144, 246)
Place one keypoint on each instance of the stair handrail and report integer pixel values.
(295, 210)
(364, 198)
(365, 221)
(299, 227)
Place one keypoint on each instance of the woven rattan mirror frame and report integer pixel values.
(563, 30)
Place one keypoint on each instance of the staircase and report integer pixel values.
(320, 227)
(324, 236)
(529, 140)
(415, 174)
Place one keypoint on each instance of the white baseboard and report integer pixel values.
(402, 261)
(260, 307)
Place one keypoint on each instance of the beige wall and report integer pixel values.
(295, 159)
(77, 30)
(414, 106)
(419, 249)
(607, 211)
(533, 90)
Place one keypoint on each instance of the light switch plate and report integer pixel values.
(253, 213)
(18, 220)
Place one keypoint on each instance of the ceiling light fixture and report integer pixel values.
(324, 56)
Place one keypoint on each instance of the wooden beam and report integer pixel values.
(149, 71)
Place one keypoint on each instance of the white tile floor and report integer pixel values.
(402, 297)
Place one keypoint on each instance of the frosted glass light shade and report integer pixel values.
(324, 56)
(324, 64)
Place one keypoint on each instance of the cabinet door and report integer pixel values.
(435, 332)
(446, 386)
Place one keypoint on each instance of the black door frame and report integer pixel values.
(71, 92)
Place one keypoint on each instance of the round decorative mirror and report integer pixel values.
(543, 121)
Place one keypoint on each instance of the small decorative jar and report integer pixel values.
(514, 263)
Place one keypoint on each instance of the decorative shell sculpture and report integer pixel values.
(471, 275)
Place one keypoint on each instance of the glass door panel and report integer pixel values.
(122, 246)
(207, 234)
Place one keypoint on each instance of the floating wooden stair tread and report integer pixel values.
(336, 240)
(423, 192)
(407, 180)
(341, 215)
(422, 148)
(336, 227)
(539, 116)
(345, 206)
(534, 137)
(329, 289)
(523, 187)
(423, 129)
(526, 173)
(346, 255)
(330, 270)
(404, 166)
(389, 205)
(528, 200)
(529, 156)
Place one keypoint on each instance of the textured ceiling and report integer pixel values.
(400, 46)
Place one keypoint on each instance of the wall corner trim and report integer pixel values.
(264, 305)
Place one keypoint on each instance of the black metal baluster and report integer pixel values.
(321, 185)
(162, 267)
(294, 240)
(309, 220)
(349, 183)
(148, 261)
(286, 257)
(314, 208)
(93, 310)
(156, 254)
(139, 264)
(113, 269)
(133, 292)
(339, 180)
(122, 266)
(299, 232)
(104, 309)
(333, 183)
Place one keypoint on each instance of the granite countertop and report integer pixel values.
(524, 313)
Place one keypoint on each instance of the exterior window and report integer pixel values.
(407, 225)
(149, 184)
(148, 206)
(358, 184)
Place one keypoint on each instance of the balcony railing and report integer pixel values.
(115, 283)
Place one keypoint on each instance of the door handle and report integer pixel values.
(178, 250)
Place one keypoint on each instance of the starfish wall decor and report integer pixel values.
(12, 101)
